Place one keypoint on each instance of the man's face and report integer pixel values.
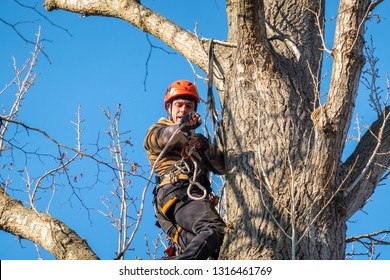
(179, 108)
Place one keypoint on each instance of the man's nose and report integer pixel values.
(185, 109)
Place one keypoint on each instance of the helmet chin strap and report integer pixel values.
(169, 111)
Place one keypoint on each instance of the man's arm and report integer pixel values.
(214, 155)
(216, 158)
(169, 131)
(189, 122)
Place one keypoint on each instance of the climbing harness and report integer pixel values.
(184, 167)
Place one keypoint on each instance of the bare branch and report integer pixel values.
(379, 138)
(34, 8)
(48, 232)
(370, 242)
(152, 47)
(371, 236)
(23, 85)
(374, 158)
(138, 15)
(358, 128)
(321, 30)
(370, 77)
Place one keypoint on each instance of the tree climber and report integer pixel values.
(182, 161)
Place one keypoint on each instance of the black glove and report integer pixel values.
(185, 119)
(203, 141)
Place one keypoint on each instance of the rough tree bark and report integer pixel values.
(288, 193)
(51, 234)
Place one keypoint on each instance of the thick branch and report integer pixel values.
(357, 197)
(46, 231)
(250, 26)
(148, 21)
(348, 61)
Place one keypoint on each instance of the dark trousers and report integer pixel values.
(202, 227)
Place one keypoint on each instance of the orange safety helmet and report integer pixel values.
(181, 88)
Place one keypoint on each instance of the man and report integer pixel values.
(183, 161)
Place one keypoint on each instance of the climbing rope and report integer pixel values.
(210, 109)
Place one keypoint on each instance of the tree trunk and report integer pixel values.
(282, 192)
(288, 193)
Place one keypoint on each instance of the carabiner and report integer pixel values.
(183, 166)
(190, 187)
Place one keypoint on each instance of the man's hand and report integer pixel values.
(191, 120)
(202, 143)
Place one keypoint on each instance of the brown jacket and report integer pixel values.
(154, 144)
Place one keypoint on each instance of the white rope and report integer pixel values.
(142, 206)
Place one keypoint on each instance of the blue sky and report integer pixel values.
(101, 62)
